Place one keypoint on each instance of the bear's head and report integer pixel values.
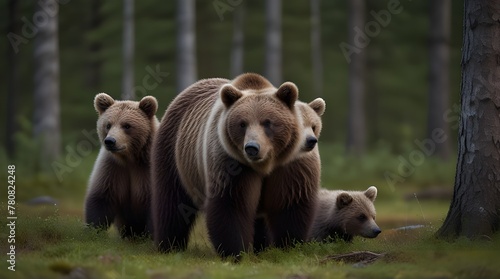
(355, 213)
(311, 122)
(260, 126)
(125, 128)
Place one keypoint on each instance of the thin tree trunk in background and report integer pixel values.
(128, 50)
(13, 80)
(46, 121)
(475, 207)
(439, 83)
(317, 59)
(356, 130)
(186, 44)
(273, 70)
(237, 53)
(94, 48)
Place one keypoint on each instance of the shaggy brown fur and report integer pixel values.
(251, 81)
(345, 214)
(311, 123)
(302, 169)
(216, 142)
(119, 190)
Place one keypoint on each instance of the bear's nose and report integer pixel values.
(109, 142)
(252, 149)
(376, 231)
(311, 142)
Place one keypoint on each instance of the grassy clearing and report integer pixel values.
(52, 241)
(55, 244)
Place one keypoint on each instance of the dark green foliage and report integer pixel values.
(396, 75)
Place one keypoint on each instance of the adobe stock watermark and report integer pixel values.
(150, 81)
(75, 154)
(231, 169)
(362, 37)
(426, 147)
(29, 29)
(423, 149)
(223, 6)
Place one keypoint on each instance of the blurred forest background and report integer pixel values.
(403, 83)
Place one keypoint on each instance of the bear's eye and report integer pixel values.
(108, 126)
(362, 217)
(266, 123)
(243, 124)
(126, 126)
(314, 128)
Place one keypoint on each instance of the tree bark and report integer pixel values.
(128, 50)
(317, 59)
(439, 85)
(238, 41)
(273, 70)
(356, 130)
(475, 208)
(46, 122)
(13, 86)
(186, 44)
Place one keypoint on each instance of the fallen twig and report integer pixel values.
(359, 258)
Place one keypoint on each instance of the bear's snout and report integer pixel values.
(110, 143)
(252, 150)
(311, 142)
(374, 232)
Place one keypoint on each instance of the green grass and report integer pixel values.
(53, 243)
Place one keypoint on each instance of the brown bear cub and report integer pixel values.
(119, 190)
(345, 214)
(217, 141)
(302, 169)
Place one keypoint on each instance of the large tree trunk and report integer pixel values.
(13, 80)
(273, 69)
(475, 208)
(46, 122)
(186, 44)
(238, 41)
(439, 86)
(128, 50)
(317, 59)
(356, 130)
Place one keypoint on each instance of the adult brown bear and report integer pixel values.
(217, 141)
(302, 169)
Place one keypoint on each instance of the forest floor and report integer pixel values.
(52, 242)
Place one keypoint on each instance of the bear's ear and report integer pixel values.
(343, 200)
(318, 105)
(102, 102)
(288, 93)
(229, 95)
(371, 193)
(149, 105)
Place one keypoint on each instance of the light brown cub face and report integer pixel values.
(311, 122)
(357, 213)
(261, 126)
(124, 126)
